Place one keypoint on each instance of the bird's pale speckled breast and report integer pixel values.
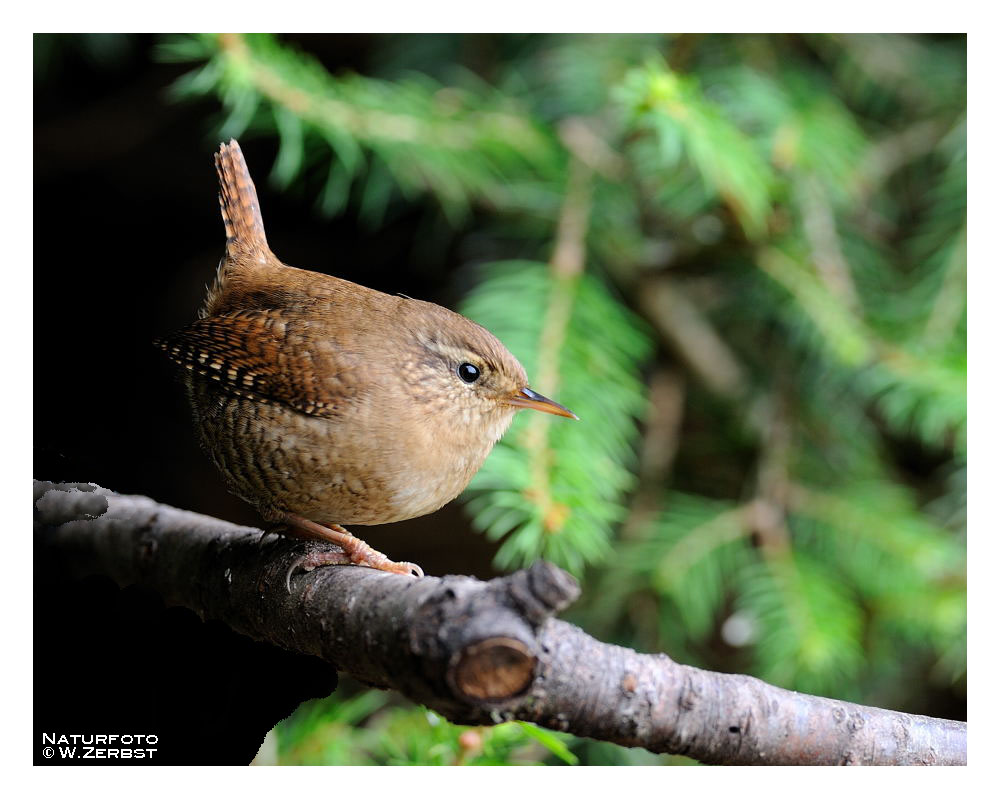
(282, 461)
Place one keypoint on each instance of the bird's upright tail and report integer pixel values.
(248, 258)
(239, 204)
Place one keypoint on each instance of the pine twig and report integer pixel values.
(950, 301)
(820, 228)
(567, 264)
(658, 448)
(686, 330)
(479, 653)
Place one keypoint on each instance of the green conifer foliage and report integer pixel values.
(777, 223)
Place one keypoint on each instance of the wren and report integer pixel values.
(324, 403)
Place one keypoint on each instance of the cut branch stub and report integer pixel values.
(481, 638)
(494, 670)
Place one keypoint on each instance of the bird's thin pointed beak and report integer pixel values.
(526, 398)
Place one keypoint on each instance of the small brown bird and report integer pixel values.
(323, 402)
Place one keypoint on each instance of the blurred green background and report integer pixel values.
(740, 259)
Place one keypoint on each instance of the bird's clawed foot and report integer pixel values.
(327, 557)
(275, 528)
(354, 550)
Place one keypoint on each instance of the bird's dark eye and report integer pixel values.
(468, 372)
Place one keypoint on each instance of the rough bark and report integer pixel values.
(476, 652)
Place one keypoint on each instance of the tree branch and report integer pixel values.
(478, 653)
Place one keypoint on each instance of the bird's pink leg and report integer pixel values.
(354, 549)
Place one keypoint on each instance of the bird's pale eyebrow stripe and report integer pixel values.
(457, 352)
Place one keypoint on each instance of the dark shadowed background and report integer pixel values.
(127, 235)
